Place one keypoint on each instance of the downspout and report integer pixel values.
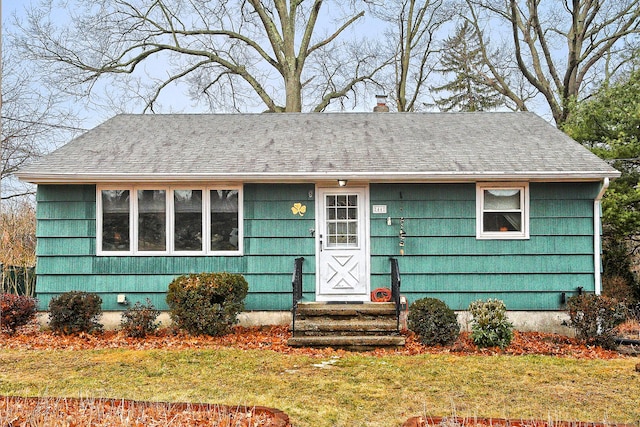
(597, 236)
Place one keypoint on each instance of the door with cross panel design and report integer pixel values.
(343, 273)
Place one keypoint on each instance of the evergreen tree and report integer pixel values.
(609, 124)
(462, 57)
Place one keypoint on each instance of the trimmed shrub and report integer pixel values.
(489, 325)
(16, 311)
(595, 318)
(140, 320)
(433, 321)
(207, 303)
(74, 312)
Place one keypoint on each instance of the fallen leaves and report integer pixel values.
(275, 338)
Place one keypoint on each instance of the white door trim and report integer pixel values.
(363, 250)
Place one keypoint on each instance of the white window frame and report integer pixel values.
(170, 219)
(135, 225)
(204, 225)
(99, 190)
(523, 187)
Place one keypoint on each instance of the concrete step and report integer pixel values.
(350, 326)
(357, 343)
(310, 309)
(324, 325)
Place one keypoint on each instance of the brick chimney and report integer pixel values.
(381, 104)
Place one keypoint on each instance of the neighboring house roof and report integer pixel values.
(315, 146)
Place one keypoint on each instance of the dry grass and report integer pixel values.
(351, 390)
(65, 412)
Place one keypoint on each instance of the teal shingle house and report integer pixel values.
(478, 205)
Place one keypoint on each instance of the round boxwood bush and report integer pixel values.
(207, 303)
(433, 321)
(75, 311)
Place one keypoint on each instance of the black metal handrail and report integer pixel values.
(296, 284)
(395, 288)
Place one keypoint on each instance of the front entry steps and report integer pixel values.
(357, 327)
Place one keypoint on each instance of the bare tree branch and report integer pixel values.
(588, 34)
(253, 42)
(34, 122)
(413, 45)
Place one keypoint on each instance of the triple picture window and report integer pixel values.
(169, 221)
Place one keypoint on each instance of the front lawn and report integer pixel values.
(332, 388)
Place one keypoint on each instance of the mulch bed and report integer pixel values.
(275, 338)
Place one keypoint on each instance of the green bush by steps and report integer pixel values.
(433, 321)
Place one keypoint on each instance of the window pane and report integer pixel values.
(353, 228)
(341, 223)
(331, 228)
(502, 221)
(152, 220)
(342, 228)
(115, 220)
(224, 220)
(496, 200)
(187, 220)
(331, 213)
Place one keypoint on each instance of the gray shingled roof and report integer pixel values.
(314, 146)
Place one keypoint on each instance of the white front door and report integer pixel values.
(342, 258)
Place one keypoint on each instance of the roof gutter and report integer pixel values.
(597, 236)
(88, 178)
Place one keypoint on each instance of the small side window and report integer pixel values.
(502, 211)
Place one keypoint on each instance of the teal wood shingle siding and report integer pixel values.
(443, 259)
(274, 236)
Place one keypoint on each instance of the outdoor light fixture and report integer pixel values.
(342, 182)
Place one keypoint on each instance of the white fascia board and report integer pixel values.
(79, 178)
